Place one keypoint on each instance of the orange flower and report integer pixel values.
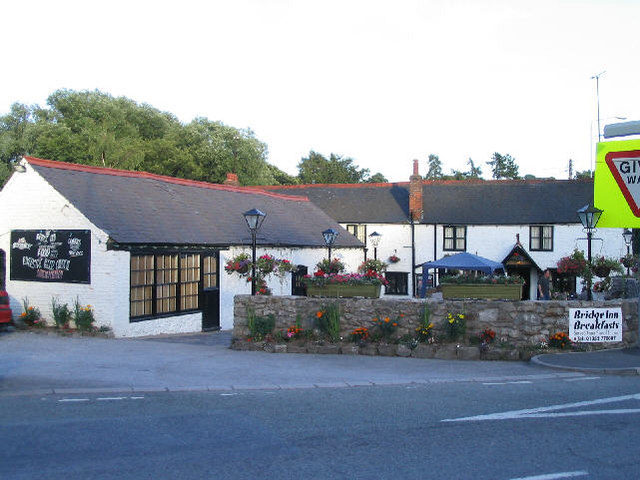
(394, 324)
(401, 315)
(319, 314)
(386, 320)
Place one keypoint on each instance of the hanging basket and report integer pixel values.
(602, 272)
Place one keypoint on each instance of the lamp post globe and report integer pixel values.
(330, 235)
(374, 239)
(254, 219)
(589, 216)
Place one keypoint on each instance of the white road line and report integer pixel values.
(552, 476)
(541, 412)
(73, 400)
(228, 394)
(506, 383)
(136, 398)
(580, 379)
(106, 399)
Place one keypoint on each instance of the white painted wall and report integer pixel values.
(490, 241)
(233, 284)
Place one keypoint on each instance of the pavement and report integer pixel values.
(38, 363)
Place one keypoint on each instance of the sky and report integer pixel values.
(380, 81)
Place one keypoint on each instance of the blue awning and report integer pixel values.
(460, 261)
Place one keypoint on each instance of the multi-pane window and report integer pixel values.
(455, 238)
(189, 281)
(398, 283)
(541, 237)
(210, 273)
(167, 283)
(358, 231)
(142, 269)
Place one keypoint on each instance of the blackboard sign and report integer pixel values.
(51, 255)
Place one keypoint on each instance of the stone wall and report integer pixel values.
(518, 324)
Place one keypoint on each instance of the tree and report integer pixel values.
(583, 174)
(94, 128)
(435, 168)
(503, 166)
(377, 178)
(318, 169)
(474, 172)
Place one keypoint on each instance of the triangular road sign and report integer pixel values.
(625, 168)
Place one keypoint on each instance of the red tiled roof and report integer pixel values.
(163, 178)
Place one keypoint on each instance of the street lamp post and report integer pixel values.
(330, 236)
(374, 239)
(254, 219)
(628, 238)
(589, 216)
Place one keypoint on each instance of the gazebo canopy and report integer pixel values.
(460, 261)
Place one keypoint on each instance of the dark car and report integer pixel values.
(5, 309)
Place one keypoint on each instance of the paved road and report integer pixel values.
(46, 363)
(541, 428)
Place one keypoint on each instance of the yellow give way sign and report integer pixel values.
(617, 183)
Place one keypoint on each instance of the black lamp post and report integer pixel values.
(254, 219)
(330, 236)
(589, 216)
(374, 238)
(628, 238)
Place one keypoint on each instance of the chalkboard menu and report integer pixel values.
(51, 255)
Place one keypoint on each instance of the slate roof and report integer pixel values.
(493, 202)
(143, 208)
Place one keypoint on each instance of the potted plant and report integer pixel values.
(603, 266)
(629, 261)
(394, 258)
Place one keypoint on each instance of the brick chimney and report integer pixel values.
(415, 194)
(232, 179)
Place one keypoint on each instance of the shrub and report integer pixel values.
(487, 336)
(83, 317)
(328, 321)
(559, 340)
(455, 325)
(359, 334)
(386, 327)
(424, 331)
(61, 313)
(31, 315)
(259, 327)
(329, 267)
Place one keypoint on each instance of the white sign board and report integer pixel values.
(595, 324)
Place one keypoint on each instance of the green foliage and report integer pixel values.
(372, 265)
(455, 324)
(259, 327)
(385, 326)
(61, 313)
(94, 128)
(337, 169)
(328, 322)
(83, 317)
(435, 168)
(424, 331)
(471, 277)
(503, 166)
(330, 266)
(31, 315)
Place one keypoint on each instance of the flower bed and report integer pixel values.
(487, 291)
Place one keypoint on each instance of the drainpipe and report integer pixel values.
(435, 250)
(413, 257)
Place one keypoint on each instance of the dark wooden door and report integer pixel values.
(298, 287)
(210, 291)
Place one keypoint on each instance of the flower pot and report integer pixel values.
(344, 291)
(482, 290)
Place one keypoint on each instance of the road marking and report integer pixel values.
(136, 398)
(73, 400)
(548, 412)
(552, 476)
(228, 394)
(506, 383)
(580, 379)
(106, 399)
